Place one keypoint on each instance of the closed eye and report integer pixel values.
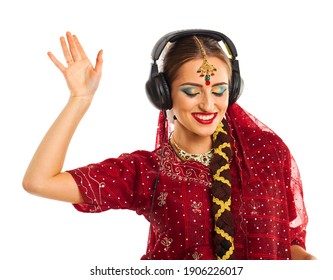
(190, 90)
(219, 90)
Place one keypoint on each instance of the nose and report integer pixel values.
(207, 103)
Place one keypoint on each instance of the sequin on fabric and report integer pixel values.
(267, 198)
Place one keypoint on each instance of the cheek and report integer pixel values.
(223, 102)
(181, 102)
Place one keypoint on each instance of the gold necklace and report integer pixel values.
(204, 158)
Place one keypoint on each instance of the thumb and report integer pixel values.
(99, 62)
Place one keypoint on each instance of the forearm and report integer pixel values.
(49, 157)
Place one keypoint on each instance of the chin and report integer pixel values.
(205, 132)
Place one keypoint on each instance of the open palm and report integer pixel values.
(81, 76)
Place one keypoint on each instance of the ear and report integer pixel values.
(171, 116)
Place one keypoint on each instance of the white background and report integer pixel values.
(285, 54)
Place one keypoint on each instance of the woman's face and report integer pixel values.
(198, 107)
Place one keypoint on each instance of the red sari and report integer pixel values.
(267, 198)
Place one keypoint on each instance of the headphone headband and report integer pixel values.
(157, 87)
(175, 35)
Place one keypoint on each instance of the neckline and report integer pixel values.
(204, 158)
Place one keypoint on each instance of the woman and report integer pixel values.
(223, 186)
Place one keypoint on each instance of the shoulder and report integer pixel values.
(139, 155)
(139, 159)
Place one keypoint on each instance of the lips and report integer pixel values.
(204, 118)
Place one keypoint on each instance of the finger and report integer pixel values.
(99, 62)
(72, 47)
(56, 62)
(65, 50)
(79, 47)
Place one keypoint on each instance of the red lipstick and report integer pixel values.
(204, 118)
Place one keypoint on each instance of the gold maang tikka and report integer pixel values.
(206, 69)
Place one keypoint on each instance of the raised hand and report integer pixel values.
(81, 76)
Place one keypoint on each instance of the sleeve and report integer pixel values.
(114, 183)
(297, 211)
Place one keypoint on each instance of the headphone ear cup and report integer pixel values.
(158, 92)
(150, 91)
(237, 84)
(157, 89)
(165, 94)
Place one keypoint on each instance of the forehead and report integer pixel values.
(188, 71)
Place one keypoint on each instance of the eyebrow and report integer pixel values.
(200, 85)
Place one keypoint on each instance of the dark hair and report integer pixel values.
(221, 193)
(186, 49)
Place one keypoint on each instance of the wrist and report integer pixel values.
(80, 104)
(81, 100)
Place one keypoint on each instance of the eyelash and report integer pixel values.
(220, 93)
(190, 94)
(194, 94)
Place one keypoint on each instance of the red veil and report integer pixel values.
(267, 195)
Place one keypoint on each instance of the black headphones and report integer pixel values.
(157, 88)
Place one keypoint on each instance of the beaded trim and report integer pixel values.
(205, 158)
